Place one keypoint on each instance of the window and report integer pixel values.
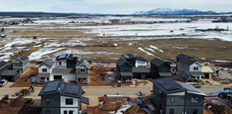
(82, 70)
(194, 99)
(195, 68)
(171, 111)
(60, 63)
(65, 112)
(69, 101)
(70, 112)
(47, 111)
(44, 70)
(195, 111)
(172, 100)
(47, 101)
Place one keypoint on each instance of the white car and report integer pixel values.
(3, 82)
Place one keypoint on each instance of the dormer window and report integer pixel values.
(195, 68)
(44, 70)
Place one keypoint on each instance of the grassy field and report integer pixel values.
(203, 50)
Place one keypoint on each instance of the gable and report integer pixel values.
(18, 61)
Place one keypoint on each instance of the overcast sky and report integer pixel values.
(111, 6)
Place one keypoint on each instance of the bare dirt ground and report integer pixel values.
(22, 81)
(107, 105)
(20, 105)
(216, 105)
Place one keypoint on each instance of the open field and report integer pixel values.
(106, 42)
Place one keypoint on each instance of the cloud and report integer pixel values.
(110, 6)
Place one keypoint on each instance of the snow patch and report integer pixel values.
(145, 51)
(154, 47)
(42, 52)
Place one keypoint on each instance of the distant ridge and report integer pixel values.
(170, 11)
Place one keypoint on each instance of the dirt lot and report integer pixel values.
(22, 81)
(20, 105)
(113, 105)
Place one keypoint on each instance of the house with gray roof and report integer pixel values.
(58, 97)
(171, 97)
(3, 65)
(161, 69)
(130, 66)
(188, 67)
(7, 73)
(21, 64)
(44, 70)
(64, 69)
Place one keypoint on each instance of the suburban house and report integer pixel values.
(130, 66)
(44, 70)
(6, 73)
(70, 68)
(161, 69)
(3, 65)
(207, 71)
(58, 97)
(171, 97)
(21, 64)
(188, 67)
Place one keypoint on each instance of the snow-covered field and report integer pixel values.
(119, 36)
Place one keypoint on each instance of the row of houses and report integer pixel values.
(11, 71)
(130, 66)
(68, 67)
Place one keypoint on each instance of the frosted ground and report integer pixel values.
(109, 41)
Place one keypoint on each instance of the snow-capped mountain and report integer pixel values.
(175, 11)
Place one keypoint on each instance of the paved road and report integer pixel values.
(90, 91)
(101, 90)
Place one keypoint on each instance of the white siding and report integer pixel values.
(42, 67)
(140, 63)
(195, 65)
(63, 63)
(62, 103)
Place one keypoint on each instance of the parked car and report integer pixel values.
(3, 82)
(229, 70)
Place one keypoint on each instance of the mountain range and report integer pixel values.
(170, 11)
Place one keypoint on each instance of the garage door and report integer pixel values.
(57, 77)
(9, 78)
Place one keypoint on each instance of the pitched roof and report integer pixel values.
(64, 89)
(48, 62)
(167, 85)
(2, 63)
(23, 58)
(186, 59)
(191, 89)
(83, 61)
(141, 58)
(84, 100)
(128, 56)
(121, 62)
(9, 72)
(60, 57)
(157, 62)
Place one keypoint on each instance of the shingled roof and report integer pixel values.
(157, 62)
(64, 89)
(122, 61)
(48, 62)
(186, 59)
(2, 63)
(23, 58)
